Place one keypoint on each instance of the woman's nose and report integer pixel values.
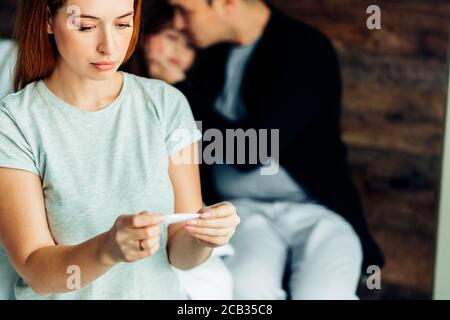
(106, 45)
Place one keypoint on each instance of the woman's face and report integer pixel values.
(93, 36)
(172, 47)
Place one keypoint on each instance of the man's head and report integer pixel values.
(209, 22)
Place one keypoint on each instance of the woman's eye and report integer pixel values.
(123, 26)
(171, 36)
(84, 29)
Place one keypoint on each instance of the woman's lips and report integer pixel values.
(104, 66)
(175, 61)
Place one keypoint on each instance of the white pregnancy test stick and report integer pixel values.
(180, 217)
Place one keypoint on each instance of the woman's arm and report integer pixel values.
(190, 244)
(42, 263)
(185, 252)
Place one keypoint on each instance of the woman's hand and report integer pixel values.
(133, 237)
(216, 226)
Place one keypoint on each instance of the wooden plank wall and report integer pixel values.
(395, 83)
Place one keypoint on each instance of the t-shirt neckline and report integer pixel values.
(55, 101)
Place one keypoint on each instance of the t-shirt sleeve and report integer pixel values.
(15, 152)
(181, 129)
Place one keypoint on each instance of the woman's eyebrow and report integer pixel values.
(126, 15)
(85, 16)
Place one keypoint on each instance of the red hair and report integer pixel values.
(37, 52)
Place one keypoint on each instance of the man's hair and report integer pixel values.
(211, 1)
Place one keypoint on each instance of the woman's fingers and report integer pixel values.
(145, 233)
(219, 215)
(219, 210)
(216, 241)
(141, 220)
(216, 226)
(215, 223)
(137, 236)
(146, 219)
(213, 232)
(149, 244)
(210, 223)
(141, 254)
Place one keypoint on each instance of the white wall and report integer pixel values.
(442, 265)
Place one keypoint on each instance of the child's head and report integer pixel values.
(169, 45)
(76, 35)
(160, 42)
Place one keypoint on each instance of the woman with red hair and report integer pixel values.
(90, 162)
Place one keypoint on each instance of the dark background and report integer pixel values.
(7, 8)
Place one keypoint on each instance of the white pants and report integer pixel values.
(320, 249)
(211, 280)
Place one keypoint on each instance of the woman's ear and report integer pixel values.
(49, 21)
(49, 28)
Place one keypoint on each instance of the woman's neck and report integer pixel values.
(83, 93)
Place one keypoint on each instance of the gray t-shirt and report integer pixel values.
(230, 182)
(8, 57)
(95, 166)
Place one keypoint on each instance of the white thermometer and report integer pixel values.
(180, 217)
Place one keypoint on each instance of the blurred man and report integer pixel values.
(302, 228)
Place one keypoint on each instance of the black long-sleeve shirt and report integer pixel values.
(292, 83)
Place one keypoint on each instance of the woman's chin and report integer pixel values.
(102, 76)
